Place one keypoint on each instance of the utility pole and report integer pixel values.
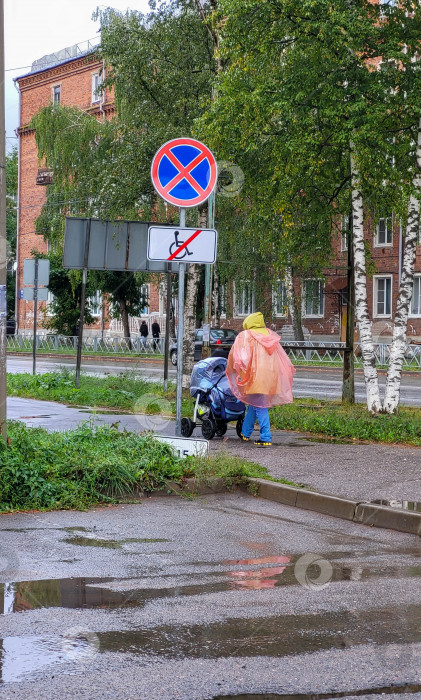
(3, 262)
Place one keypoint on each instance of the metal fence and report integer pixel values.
(61, 344)
(327, 353)
(306, 352)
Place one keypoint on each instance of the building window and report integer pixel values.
(382, 296)
(95, 304)
(244, 299)
(280, 299)
(344, 233)
(384, 231)
(56, 94)
(96, 88)
(416, 297)
(144, 299)
(313, 298)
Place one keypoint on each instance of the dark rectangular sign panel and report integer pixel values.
(113, 245)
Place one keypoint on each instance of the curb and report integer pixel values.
(346, 509)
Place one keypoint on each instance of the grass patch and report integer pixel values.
(348, 422)
(96, 464)
(122, 392)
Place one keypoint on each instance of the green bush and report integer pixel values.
(74, 469)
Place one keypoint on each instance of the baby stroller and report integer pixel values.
(215, 404)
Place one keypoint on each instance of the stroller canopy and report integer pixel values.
(206, 374)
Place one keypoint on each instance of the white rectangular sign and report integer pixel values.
(187, 245)
(28, 293)
(186, 447)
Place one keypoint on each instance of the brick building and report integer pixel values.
(71, 77)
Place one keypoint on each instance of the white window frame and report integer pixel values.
(344, 233)
(279, 299)
(416, 295)
(388, 220)
(246, 288)
(145, 292)
(95, 304)
(53, 94)
(376, 279)
(50, 299)
(321, 298)
(96, 82)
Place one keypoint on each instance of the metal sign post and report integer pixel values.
(180, 335)
(184, 173)
(82, 305)
(34, 341)
(167, 328)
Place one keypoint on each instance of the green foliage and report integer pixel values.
(120, 392)
(79, 468)
(349, 422)
(300, 86)
(89, 465)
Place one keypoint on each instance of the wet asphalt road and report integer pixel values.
(325, 383)
(205, 598)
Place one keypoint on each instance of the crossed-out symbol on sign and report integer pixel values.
(184, 172)
(178, 247)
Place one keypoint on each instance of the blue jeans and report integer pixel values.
(262, 415)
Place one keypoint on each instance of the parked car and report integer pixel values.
(10, 326)
(221, 341)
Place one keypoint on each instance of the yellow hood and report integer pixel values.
(255, 322)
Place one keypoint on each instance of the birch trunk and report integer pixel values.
(398, 347)
(292, 305)
(374, 403)
(193, 276)
(125, 320)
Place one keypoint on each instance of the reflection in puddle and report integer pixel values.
(276, 636)
(393, 503)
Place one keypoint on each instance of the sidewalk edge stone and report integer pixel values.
(346, 509)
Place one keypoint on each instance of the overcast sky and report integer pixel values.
(34, 28)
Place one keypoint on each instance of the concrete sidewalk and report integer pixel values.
(362, 472)
(358, 471)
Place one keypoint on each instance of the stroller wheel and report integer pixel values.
(187, 427)
(208, 428)
(221, 429)
(239, 426)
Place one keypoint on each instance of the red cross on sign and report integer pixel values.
(184, 172)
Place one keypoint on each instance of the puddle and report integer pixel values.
(391, 689)
(262, 573)
(331, 440)
(276, 636)
(414, 506)
(267, 636)
(109, 544)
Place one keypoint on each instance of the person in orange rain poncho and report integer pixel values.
(260, 374)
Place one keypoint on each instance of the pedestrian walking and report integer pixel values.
(156, 330)
(260, 374)
(144, 332)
